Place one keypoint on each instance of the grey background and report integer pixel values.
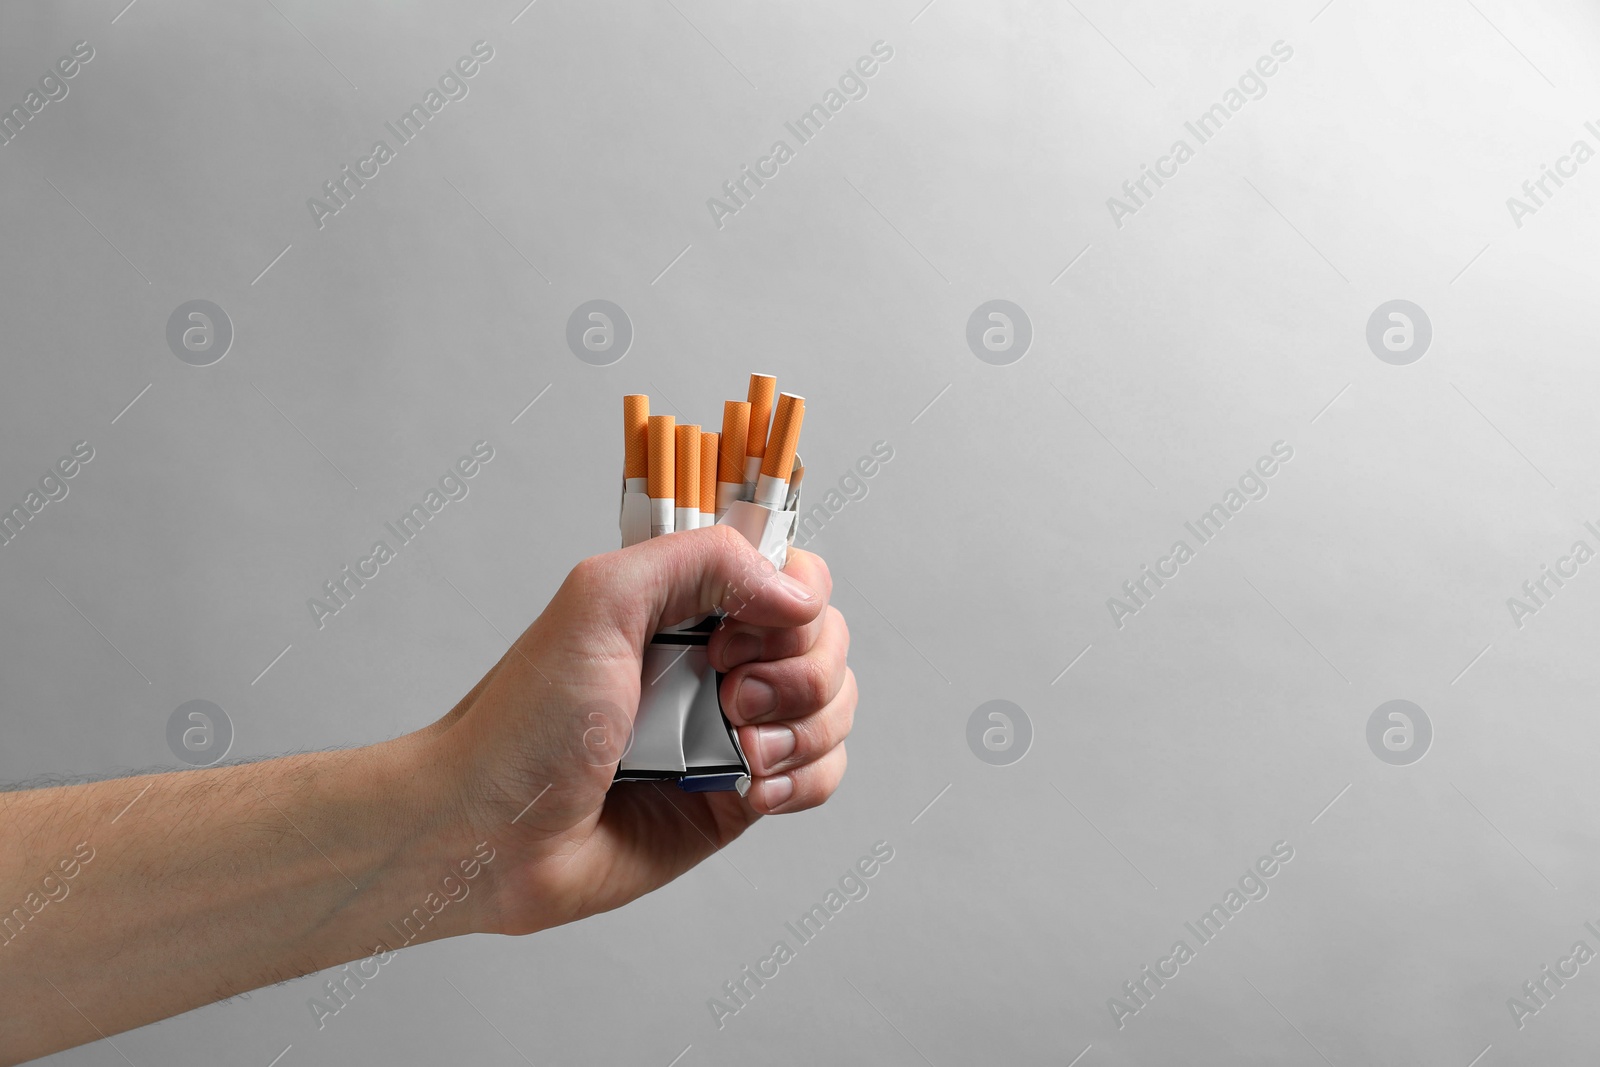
(1229, 313)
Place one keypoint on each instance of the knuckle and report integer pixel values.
(836, 618)
(815, 683)
(727, 539)
(815, 737)
(824, 575)
(847, 715)
(837, 762)
(810, 741)
(589, 576)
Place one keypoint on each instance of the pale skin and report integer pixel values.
(203, 884)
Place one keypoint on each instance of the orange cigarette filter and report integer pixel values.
(708, 472)
(688, 466)
(635, 435)
(779, 459)
(659, 438)
(735, 436)
(762, 387)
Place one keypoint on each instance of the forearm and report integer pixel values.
(126, 901)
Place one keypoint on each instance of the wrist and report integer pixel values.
(518, 883)
(440, 869)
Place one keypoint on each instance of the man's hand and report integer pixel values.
(189, 887)
(548, 724)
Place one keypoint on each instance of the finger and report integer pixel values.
(775, 747)
(799, 789)
(789, 688)
(665, 580)
(811, 569)
(739, 641)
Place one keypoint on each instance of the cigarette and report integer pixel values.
(793, 487)
(688, 477)
(761, 389)
(730, 467)
(659, 477)
(708, 478)
(772, 488)
(636, 447)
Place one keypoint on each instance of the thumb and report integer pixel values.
(667, 580)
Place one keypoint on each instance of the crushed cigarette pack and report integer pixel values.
(681, 733)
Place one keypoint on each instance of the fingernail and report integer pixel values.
(774, 743)
(741, 648)
(796, 588)
(755, 699)
(776, 791)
